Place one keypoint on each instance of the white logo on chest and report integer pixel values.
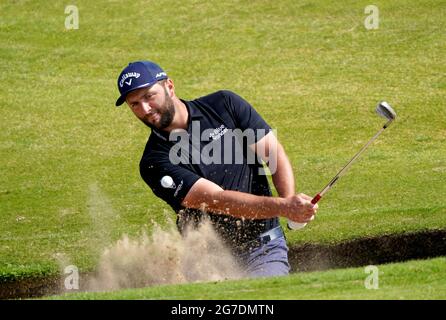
(218, 132)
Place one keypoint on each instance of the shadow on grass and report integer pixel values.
(369, 251)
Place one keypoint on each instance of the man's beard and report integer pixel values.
(166, 113)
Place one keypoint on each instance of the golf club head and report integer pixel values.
(385, 111)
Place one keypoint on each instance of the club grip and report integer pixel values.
(316, 199)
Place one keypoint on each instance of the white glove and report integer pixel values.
(297, 225)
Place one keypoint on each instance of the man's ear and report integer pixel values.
(170, 87)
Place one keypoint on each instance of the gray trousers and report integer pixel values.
(268, 260)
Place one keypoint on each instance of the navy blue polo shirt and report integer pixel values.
(215, 147)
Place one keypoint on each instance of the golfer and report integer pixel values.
(205, 159)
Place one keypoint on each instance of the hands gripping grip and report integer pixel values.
(316, 199)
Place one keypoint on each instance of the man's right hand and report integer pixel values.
(298, 208)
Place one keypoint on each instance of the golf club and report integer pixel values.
(385, 111)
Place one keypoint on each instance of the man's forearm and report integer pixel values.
(283, 177)
(208, 196)
(244, 205)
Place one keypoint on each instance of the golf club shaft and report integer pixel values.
(347, 166)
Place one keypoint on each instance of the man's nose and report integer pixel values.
(145, 106)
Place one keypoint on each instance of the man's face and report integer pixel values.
(152, 105)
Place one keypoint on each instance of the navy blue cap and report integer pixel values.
(136, 75)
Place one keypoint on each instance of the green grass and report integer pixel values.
(70, 184)
(423, 279)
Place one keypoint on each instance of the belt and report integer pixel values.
(264, 238)
(271, 234)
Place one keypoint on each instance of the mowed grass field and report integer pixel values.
(423, 279)
(70, 185)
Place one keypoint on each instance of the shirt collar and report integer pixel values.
(192, 110)
(163, 135)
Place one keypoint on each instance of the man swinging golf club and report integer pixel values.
(189, 163)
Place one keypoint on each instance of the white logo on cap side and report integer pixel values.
(160, 74)
(128, 83)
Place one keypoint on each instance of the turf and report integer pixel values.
(70, 183)
(423, 279)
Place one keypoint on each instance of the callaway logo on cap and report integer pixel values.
(136, 75)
